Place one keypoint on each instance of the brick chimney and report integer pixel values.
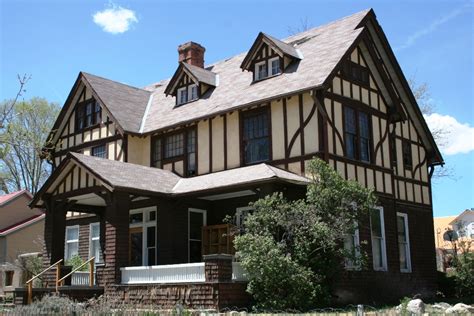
(192, 53)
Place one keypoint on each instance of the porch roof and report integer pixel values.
(116, 175)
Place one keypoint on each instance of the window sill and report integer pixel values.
(268, 77)
(187, 102)
(86, 129)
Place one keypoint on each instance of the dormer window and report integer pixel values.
(187, 94)
(269, 57)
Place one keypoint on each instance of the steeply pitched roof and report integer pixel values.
(127, 104)
(198, 74)
(279, 46)
(6, 198)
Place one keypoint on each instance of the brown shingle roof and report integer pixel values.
(126, 103)
(137, 177)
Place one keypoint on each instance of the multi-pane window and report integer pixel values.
(403, 242)
(256, 136)
(187, 94)
(99, 151)
(94, 242)
(377, 231)
(142, 237)
(356, 73)
(352, 247)
(274, 66)
(261, 70)
(357, 134)
(174, 147)
(72, 242)
(407, 157)
(88, 114)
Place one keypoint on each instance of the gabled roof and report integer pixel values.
(122, 176)
(198, 75)
(7, 198)
(127, 104)
(463, 214)
(24, 223)
(282, 49)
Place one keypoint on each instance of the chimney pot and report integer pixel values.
(191, 53)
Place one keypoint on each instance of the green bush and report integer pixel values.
(292, 250)
(76, 261)
(464, 275)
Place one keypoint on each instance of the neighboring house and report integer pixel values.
(463, 228)
(153, 171)
(21, 232)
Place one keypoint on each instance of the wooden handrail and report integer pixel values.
(29, 283)
(91, 271)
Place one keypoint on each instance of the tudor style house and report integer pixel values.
(147, 175)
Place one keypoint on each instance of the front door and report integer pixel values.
(196, 220)
(136, 246)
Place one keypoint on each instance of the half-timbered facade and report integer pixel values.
(174, 158)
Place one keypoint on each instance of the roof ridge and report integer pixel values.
(118, 82)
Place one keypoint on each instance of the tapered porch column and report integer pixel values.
(116, 218)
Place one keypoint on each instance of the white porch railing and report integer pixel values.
(172, 273)
(80, 278)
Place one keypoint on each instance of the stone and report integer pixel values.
(460, 308)
(442, 306)
(416, 307)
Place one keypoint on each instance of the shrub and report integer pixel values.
(76, 261)
(292, 250)
(464, 274)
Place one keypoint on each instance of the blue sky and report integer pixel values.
(54, 40)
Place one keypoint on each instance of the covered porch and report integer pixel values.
(156, 227)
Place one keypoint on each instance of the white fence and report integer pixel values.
(173, 273)
(80, 278)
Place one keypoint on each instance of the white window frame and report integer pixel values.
(144, 224)
(178, 95)
(238, 213)
(204, 223)
(349, 264)
(270, 68)
(190, 92)
(383, 242)
(407, 237)
(257, 73)
(67, 242)
(91, 239)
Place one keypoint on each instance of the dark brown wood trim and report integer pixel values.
(210, 144)
(88, 144)
(285, 130)
(224, 117)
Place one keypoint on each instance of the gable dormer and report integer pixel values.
(269, 57)
(190, 81)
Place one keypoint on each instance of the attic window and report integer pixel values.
(187, 94)
(267, 68)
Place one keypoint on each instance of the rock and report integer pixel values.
(460, 308)
(416, 307)
(442, 306)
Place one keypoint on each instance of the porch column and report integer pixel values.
(116, 220)
(54, 234)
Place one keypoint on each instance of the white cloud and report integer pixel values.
(433, 26)
(115, 19)
(456, 138)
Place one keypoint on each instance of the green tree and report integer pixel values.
(292, 250)
(22, 137)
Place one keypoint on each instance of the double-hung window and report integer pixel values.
(94, 242)
(352, 248)
(256, 136)
(403, 242)
(357, 134)
(72, 242)
(274, 64)
(261, 71)
(377, 231)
